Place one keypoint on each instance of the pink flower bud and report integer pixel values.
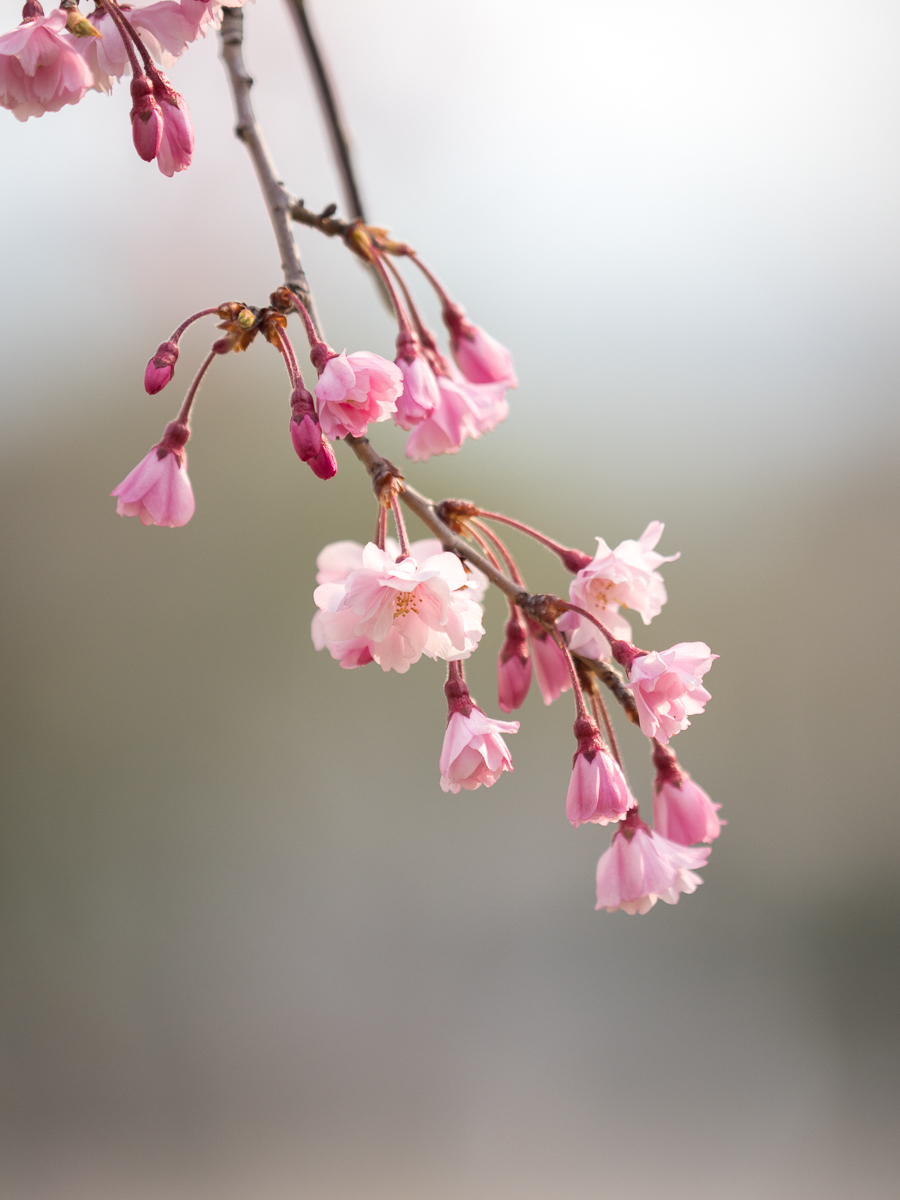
(480, 357)
(420, 396)
(161, 368)
(176, 147)
(682, 811)
(597, 792)
(513, 665)
(146, 119)
(158, 489)
(550, 664)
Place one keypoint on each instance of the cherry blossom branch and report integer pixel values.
(277, 198)
(282, 207)
(327, 98)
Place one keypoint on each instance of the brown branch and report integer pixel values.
(282, 207)
(277, 198)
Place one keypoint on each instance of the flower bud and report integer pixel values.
(161, 368)
(146, 119)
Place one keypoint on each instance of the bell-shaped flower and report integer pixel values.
(158, 489)
(598, 792)
(641, 867)
(399, 611)
(40, 67)
(479, 356)
(513, 665)
(682, 811)
(355, 389)
(474, 752)
(176, 147)
(550, 666)
(420, 396)
(453, 419)
(667, 688)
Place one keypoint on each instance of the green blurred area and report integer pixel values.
(250, 947)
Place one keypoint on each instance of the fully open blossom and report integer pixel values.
(474, 752)
(627, 577)
(667, 687)
(513, 665)
(398, 611)
(40, 68)
(355, 389)
(158, 489)
(598, 792)
(479, 356)
(682, 811)
(641, 867)
(550, 665)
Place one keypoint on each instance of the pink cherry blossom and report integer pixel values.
(399, 611)
(641, 867)
(480, 357)
(161, 368)
(453, 419)
(489, 404)
(598, 792)
(420, 395)
(550, 665)
(513, 665)
(146, 122)
(682, 811)
(40, 69)
(626, 576)
(158, 489)
(176, 147)
(474, 752)
(355, 389)
(667, 688)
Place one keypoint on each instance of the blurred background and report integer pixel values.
(248, 948)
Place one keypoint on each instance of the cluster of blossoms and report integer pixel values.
(391, 602)
(51, 61)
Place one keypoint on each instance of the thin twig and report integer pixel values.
(278, 200)
(327, 98)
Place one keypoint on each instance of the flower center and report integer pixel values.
(406, 603)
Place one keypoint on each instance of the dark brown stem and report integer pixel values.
(327, 98)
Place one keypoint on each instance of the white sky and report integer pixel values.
(682, 215)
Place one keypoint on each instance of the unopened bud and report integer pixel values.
(77, 23)
(146, 119)
(160, 368)
(32, 9)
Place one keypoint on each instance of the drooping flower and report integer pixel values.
(354, 389)
(158, 489)
(667, 688)
(641, 867)
(40, 68)
(444, 430)
(474, 752)
(513, 665)
(682, 811)
(626, 576)
(399, 611)
(550, 665)
(420, 396)
(479, 356)
(598, 792)
(176, 147)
